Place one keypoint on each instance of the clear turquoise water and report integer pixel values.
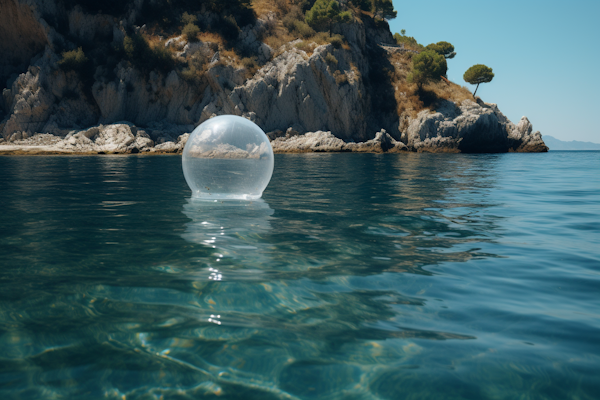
(419, 276)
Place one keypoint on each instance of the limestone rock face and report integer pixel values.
(250, 38)
(29, 102)
(141, 100)
(295, 89)
(45, 100)
(521, 138)
(468, 128)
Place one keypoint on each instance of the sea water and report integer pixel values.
(356, 276)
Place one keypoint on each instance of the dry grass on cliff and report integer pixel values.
(263, 7)
(289, 25)
(410, 100)
(277, 35)
(452, 91)
(211, 37)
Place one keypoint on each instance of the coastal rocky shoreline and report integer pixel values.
(307, 96)
(471, 127)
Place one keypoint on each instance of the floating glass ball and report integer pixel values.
(227, 157)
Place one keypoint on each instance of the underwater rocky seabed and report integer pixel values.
(357, 276)
(295, 97)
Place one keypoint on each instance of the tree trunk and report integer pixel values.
(476, 90)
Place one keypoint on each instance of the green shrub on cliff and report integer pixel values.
(336, 41)
(427, 66)
(408, 41)
(191, 31)
(73, 60)
(302, 29)
(187, 18)
(331, 60)
(325, 13)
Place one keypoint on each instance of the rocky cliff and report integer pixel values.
(309, 95)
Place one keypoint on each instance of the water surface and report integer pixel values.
(357, 276)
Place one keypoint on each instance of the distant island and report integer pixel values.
(556, 144)
(131, 76)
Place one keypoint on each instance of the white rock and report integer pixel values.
(468, 128)
(325, 142)
(114, 139)
(311, 141)
(523, 139)
(196, 48)
(177, 42)
(168, 147)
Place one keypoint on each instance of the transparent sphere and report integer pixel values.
(227, 157)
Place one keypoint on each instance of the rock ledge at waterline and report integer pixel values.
(471, 127)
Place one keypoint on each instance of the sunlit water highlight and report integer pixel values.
(413, 276)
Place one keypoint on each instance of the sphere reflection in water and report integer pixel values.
(227, 157)
(231, 227)
(236, 231)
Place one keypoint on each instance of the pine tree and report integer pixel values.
(384, 9)
(427, 66)
(443, 48)
(477, 74)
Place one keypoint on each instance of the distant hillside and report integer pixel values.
(555, 144)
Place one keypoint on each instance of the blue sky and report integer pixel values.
(545, 56)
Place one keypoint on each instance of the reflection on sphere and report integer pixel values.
(227, 157)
